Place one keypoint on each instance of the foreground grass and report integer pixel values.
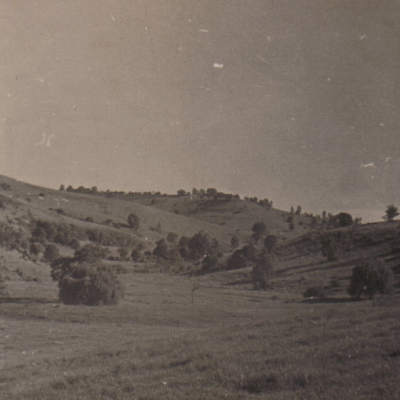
(229, 343)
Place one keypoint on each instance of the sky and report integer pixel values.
(296, 101)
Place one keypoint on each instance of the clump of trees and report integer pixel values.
(391, 213)
(82, 279)
(371, 278)
(242, 258)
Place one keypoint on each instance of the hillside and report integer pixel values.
(300, 264)
(188, 332)
(237, 214)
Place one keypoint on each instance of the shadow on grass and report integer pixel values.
(239, 282)
(331, 300)
(27, 300)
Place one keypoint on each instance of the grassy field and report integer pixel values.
(230, 342)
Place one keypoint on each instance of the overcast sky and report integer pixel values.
(293, 100)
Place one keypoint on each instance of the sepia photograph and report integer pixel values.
(199, 199)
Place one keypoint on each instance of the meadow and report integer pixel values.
(225, 342)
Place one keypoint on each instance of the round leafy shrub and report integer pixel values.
(90, 285)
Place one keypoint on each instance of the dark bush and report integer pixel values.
(74, 244)
(234, 242)
(199, 245)
(241, 258)
(51, 253)
(270, 242)
(259, 230)
(209, 262)
(90, 285)
(370, 278)
(262, 271)
(12, 237)
(172, 237)
(91, 253)
(35, 248)
(315, 291)
(328, 247)
(133, 221)
(89, 219)
(161, 250)
(123, 253)
(344, 219)
(135, 255)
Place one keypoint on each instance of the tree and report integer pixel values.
(172, 237)
(211, 192)
(370, 278)
(161, 250)
(298, 210)
(242, 258)
(62, 188)
(270, 242)
(51, 253)
(39, 235)
(123, 253)
(259, 230)
(344, 219)
(135, 255)
(209, 262)
(234, 242)
(199, 245)
(133, 221)
(35, 248)
(74, 244)
(391, 213)
(328, 247)
(181, 192)
(262, 272)
(3, 286)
